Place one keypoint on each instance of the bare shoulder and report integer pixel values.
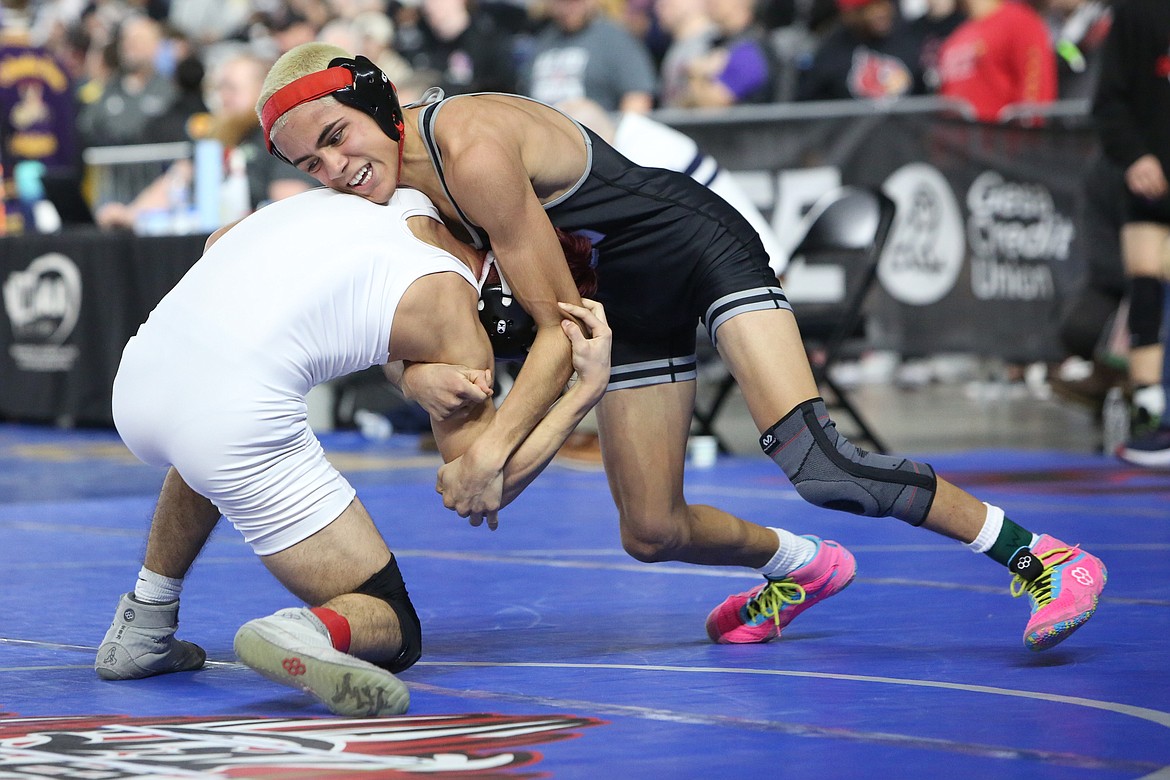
(437, 322)
(500, 133)
(505, 116)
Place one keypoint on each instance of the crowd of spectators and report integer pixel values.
(124, 72)
(124, 55)
(79, 74)
(151, 71)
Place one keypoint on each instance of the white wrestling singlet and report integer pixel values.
(214, 382)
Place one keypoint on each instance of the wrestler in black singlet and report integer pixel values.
(670, 252)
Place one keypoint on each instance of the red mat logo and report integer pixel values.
(476, 745)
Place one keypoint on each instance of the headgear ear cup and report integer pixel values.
(372, 93)
(510, 329)
(357, 83)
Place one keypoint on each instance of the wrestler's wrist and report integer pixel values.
(394, 372)
(488, 454)
(413, 381)
(584, 393)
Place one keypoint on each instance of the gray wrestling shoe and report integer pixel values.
(141, 643)
(293, 648)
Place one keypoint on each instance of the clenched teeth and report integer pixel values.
(361, 176)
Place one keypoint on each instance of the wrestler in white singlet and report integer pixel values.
(214, 382)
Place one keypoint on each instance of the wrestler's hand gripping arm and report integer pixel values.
(490, 182)
(591, 360)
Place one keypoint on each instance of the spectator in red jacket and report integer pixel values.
(1002, 55)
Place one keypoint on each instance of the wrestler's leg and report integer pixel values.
(141, 639)
(644, 434)
(764, 352)
(182, 522)
(328, 568)
(341, 650)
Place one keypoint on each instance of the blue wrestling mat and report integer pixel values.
(548, 652)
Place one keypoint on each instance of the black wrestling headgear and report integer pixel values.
(371, 92)
(357, 83)
(510, 329)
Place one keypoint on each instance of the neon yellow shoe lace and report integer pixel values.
(1041, 587)
(773, 598)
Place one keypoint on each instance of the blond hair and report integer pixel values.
(292, 65)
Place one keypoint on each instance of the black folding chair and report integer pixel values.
(847, 228)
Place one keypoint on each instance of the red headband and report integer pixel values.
(315, 85)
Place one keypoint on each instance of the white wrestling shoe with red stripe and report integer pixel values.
(292, 647)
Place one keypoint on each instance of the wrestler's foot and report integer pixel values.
(760, 614)
(141, 643)
(1065, 594)
(292, 647)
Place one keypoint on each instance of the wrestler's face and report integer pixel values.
(341, 147)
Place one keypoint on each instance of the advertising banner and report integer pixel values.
(71, 302)
(997, 232)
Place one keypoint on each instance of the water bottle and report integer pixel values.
(1114, 420)
(235, 200)
(28, 176)
(208, 179)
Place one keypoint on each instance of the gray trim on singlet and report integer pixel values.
(426, 131)
(775, 299)
(663, 371)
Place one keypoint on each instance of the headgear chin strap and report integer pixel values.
(357, 83)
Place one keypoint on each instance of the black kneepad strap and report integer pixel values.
(389, 586)
(1147, 296)
(829, 471)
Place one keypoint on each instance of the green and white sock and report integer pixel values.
(1000, 538)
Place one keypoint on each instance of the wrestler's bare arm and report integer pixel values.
(489, 181)
(435, 322)
(592, 364)
(531, 260)
(448, 390)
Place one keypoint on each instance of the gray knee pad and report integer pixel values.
(828, 471)
(388, 585)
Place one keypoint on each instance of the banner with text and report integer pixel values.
(990, 245)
